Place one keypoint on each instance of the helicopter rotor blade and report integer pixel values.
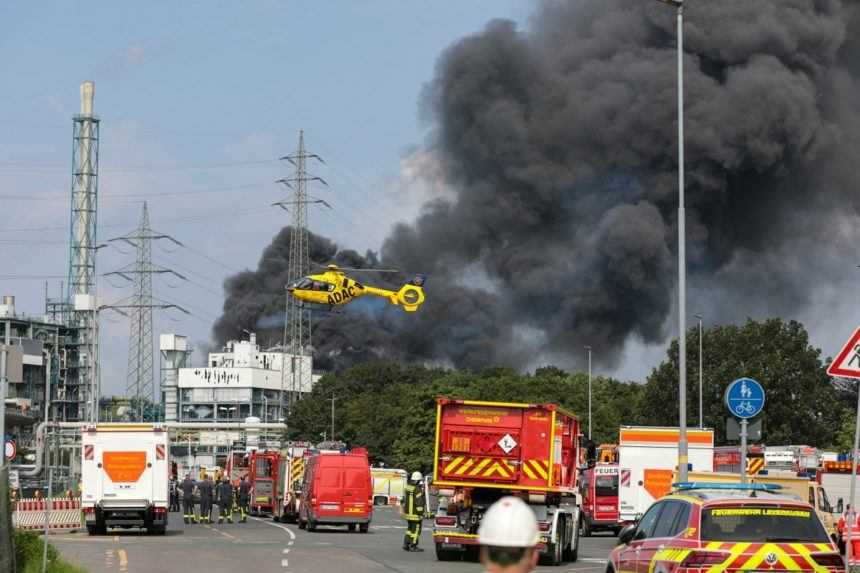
(357, 269)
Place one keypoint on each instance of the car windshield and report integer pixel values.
(758, 524)
(606, 486)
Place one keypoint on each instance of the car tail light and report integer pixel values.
(704, 558)
(829, 560)
(446, 521)
(159, 510)
(544, 525)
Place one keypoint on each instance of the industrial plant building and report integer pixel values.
(240, 382)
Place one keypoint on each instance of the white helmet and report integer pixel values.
(509, 523)
(416, 476)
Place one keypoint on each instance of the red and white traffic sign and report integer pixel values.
(847, 362)
(11, 450)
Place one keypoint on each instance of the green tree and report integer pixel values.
(803, 406)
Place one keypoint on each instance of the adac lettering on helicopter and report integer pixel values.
(340, 296)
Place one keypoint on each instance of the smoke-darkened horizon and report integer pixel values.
(559, 144)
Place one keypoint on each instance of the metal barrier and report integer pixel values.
(65, 513)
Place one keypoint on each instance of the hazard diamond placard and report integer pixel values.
(847, 362)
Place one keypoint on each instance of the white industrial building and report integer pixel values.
(237, 383)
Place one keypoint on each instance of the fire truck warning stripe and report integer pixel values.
(454, 463)
(478, 468)
(465, 466)
(540, 467)
(529, 473)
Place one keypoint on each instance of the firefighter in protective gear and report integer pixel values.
(508, 535)
(225, 500)
(188, 509)
(205, 488)
(412, 507)
(244, 499)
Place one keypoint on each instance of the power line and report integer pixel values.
(53, 196)
(188, 219)
(137, 168)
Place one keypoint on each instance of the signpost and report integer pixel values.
(847, 365)
(745, 400)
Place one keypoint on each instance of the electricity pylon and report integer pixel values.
(139, 308)
(297, 319)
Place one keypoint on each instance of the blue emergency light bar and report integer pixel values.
(688, 485)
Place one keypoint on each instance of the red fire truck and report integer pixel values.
(599, 487)
(487, 450)
(265, 468)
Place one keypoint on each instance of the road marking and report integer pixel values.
(284, 562)
(278, 525)
(123, 560)
(116, 537)
(593, 560)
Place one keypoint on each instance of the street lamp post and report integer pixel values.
(701, 411)
(332, 417)
(682, 255)
(588, 350)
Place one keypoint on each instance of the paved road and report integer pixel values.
(262, 545)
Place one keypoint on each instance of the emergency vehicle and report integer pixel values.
(487, 450)
(728, 459)
(722, 528)
(647, 456)
(124, 477)
(292, 470)
(790, 483)
(599, 487)
(264, 469)
(238, 465)
(835, 479)
(388, 485)
(337, 490)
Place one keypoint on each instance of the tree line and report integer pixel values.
(390, 408)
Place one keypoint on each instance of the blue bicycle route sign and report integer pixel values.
(745, 398)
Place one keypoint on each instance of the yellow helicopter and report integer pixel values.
(334, 288)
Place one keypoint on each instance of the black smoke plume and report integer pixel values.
(560, 145)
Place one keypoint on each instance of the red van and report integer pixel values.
(337, 490)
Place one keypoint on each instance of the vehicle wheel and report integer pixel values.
(472, 554)
(571, 554)
(364, 527)
(617, 531)
(312, 525)
(352, 527)
(302, 524)
(93, 529)
(446, 554)
(586, 527)
(156, 530)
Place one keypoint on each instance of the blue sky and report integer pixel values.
(197, 100)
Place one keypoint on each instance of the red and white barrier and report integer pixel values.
(65, 513)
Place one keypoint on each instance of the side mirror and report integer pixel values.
(637, 518)
(840, 506)
(625, 536)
